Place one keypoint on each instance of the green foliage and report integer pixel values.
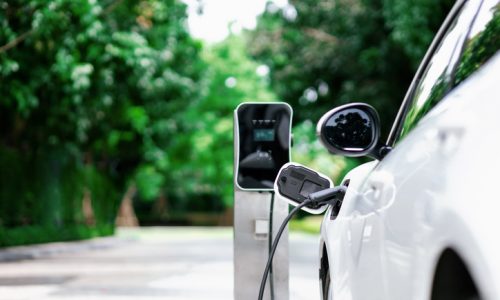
(413, 24)
(149, 182)
(42, 198)
(98, 95)
(324, 54)
(309, 224)
(205, 153)
(91, 95)
(44, 234)
(480, 48)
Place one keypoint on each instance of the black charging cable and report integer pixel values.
(330, 196)
(270, 242)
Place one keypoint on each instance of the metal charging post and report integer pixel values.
(262, 141)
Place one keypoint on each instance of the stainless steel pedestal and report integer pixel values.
(251, 216)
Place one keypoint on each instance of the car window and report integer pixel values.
(482, 42)
(437, 77)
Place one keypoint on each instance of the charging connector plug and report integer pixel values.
(332, 196)
(329, 196)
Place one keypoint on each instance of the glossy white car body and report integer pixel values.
(435, 192)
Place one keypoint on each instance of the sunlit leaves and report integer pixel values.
(414, 23)
(108, 79)
(149, 182)
(334, 52)
(208, 158)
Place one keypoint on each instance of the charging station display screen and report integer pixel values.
(264, 143)
(263, 135)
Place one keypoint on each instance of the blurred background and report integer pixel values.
(120, 112)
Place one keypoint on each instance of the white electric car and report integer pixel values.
(422, 221)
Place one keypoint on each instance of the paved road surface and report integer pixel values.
(150, 263)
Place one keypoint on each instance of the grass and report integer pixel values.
(38, 234)
(310, 224)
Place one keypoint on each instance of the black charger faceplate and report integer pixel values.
(263, 139)
(296, 183)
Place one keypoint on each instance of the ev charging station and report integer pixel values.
(262, 142)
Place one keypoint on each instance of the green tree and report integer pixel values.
(204, 153)
(91, 88)
(327, 53)
(413, 24)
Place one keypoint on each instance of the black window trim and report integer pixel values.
(403, 110)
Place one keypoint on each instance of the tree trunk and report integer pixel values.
(160, 207)
(126, 215)
(87, 209)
